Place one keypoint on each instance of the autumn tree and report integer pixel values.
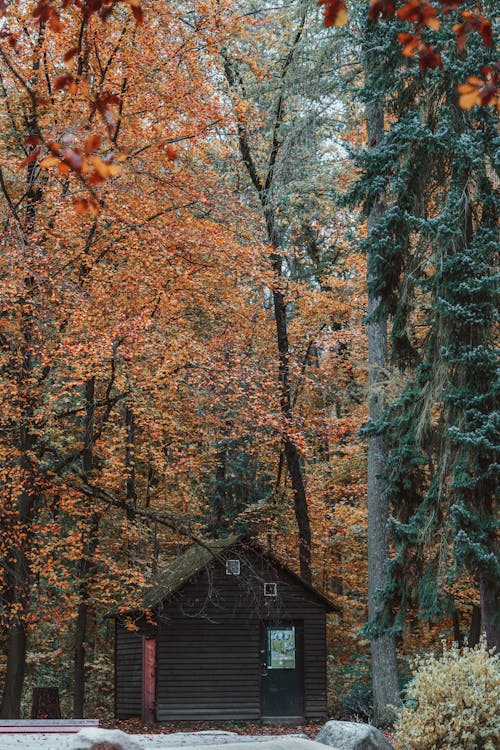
(118, 281)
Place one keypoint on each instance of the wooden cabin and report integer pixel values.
(236, 635)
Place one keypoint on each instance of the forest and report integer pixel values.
(248, 285)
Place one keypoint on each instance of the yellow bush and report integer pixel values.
(453, 702)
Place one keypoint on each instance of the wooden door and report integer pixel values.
(282, 671)
(148, 679)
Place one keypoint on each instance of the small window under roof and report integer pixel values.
(233, 567)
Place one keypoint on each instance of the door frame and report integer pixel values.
(148, 683)
(299, 664)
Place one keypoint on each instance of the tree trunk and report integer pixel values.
(19, 581)
(14, 676)
(84, 567)
(475, 627)
(79, 661)
(292, 455)
(45, 703)
(18, 576)
(457, 632)
(383, 647)
(490, 609)
(263, 187)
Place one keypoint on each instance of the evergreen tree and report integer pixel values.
(437, 248)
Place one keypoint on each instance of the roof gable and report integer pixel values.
(196, 558)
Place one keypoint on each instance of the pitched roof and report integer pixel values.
(196, 558)
(180, 570)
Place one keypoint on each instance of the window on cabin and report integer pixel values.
(281, 648)
(270, 589)
(233, 567)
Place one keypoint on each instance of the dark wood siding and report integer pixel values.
(128, 673)
(128, 670)
(208, 670)
(209, 641)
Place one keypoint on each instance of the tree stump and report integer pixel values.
(45, 703)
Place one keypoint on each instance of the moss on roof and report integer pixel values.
(185, 566)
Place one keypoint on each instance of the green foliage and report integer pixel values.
(453, 702)
(436, 247)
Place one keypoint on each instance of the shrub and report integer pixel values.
(453, 702)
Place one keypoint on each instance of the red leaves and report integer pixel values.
(170, 150)
(481, 91)
(136, 8)
(65, 81)
(449, 5)
(92, 144)
(30, 158)
(70, 54)
(420, 13)
(381, 9)
(410, 43)
(428, 57)
(472, 21)
(3, 8)
(46, 12)
(335, 12)
(32, 140)
(105, 104)
(85, 206)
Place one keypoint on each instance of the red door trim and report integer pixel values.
(148, 679)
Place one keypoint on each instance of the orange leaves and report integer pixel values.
(65, 81)
(472, 21)
(410, 43)
(428, 57)
(86, 206)
(92, 144)
(335, 12)
(49, 161)
(420, 13)
(85, 163)
(45, 10)
(136, 8)
(481, 91)
(102, 170)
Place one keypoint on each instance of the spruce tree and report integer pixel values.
(437, 251)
